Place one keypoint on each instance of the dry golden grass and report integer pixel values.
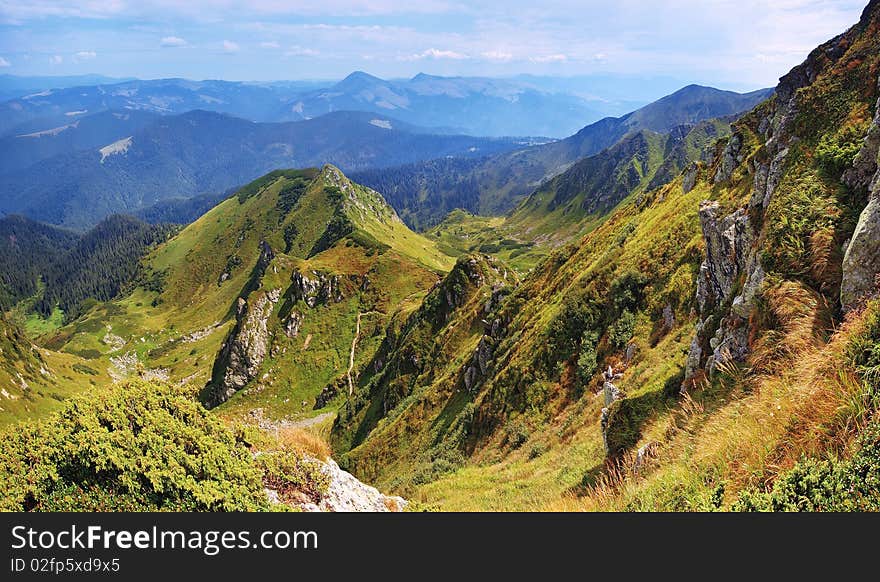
(303, 441)
(752, 428)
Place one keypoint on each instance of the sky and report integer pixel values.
(737, 44)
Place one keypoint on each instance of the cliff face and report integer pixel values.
(861, 264)
(788, 172)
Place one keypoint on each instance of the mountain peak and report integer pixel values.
(359, 78)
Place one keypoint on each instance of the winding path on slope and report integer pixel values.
(354, 341)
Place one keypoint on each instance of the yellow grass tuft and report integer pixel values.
(303, 441)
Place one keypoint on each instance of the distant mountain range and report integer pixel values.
(12, 86)
(50, 107)
(178, 157)
(472, 105)
(525, 105)
(423, 193)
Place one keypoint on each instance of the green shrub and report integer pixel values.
(836, 153)
(145, 446)
(517, 433)
(863, 351)
(621, 331)
(579, 312)
(825, 485)
(587, 359)
(627, 291)
(289, 473)
(537, 450)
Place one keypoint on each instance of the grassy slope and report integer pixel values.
(35, 381)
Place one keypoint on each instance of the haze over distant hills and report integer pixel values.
(473, 105)
(524, 105)
(182, 156)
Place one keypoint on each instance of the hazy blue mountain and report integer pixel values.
(473, 105)
(203, 152)
(53, 107)
(12, 86)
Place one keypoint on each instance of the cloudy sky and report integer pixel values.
(730, 43)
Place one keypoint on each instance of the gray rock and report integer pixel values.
(348, 494)
(731, 158)
(293, 324)
(861, 264)
(603, 425)
(246, 347)
(689, 179)
(729, 255)
(611, 391)
(728, 241)
(865, 166)
(315, 289)
(668, 317)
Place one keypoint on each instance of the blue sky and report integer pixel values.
(729, 43)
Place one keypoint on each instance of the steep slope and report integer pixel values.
(594, 390)
(52, 271)
(27, 250)
(593, 186)
(35, 381)
(202, 152)
(425, 192)
(279, 293)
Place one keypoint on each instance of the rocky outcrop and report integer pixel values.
(722, 334)
(609, 390)
(728, 241)
(293, 324)
(689, 178)
(611, 394)
(861, 263)
(315, 288)
(245, 348)
(479, 364)
(732, 156)
(345, 493)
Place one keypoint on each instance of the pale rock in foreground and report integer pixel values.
(347, 493)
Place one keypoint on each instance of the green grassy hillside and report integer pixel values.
(174, 322)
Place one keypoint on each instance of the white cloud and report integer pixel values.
(298, 51)
(4, 63)
(172, 42)
(270, 45)
(230, 47)
(433, 53)
(56, 59)
(555, 58)
(84, 56)
(498, 56)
